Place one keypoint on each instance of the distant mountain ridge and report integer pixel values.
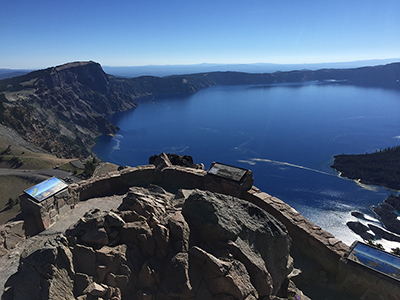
(62, 109)
(167, 70)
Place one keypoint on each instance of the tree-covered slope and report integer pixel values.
(379, 168)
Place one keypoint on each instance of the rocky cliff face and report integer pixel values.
(61, 109)
(214, 247)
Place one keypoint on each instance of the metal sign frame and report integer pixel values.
(46, 189)
(228, 172)
(375, 259)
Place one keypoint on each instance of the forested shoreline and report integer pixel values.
(379, 168)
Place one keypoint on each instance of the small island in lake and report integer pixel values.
(379, 168)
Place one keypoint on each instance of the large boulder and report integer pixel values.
(163, 160)
(45, 273)
(228, 277)
(146, 202)
(96, 229)
(222, 218)
(10, 235)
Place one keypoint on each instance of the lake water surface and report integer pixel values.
(286, 134)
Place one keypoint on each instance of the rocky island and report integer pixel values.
(380, 168)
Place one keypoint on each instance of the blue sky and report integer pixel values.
(43, 33)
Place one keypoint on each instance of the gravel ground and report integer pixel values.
(9, 263)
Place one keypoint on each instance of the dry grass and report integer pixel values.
(11, 187)
(30, 160)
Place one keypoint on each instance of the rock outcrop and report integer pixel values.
(361, 230)
(215, 247)
(62, 109)
(387, 213)
(11, 234)
(176, 160)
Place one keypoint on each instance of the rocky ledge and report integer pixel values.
(157, 245)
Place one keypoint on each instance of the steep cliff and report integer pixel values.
(62, 109)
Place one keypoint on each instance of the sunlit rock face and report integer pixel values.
(215, 247)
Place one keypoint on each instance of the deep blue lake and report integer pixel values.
(286, 134)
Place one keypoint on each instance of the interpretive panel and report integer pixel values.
(376, 259)
(226, 171)
(46, 189)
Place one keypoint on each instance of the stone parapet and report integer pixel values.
(327, 251)
(177, 177)
(141, 175)
(308, 237)
(364, 283)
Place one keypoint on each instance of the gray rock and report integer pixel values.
(217, 247)
(95, 237)
(224, 277)
(84, 259)
(147, 201)
(161, 237)
(145, 276)
(140, 234)
(81, 282)
(255, 266)
(95, 289)
(161, 161)
(112, 257)
(357, 214)
(217, 217)
(361, 230)
(46, 273)
(175, 280)
(179, 232)
(10, 235)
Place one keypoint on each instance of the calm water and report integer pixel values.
(286, 134)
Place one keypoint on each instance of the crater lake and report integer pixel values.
(287, 134)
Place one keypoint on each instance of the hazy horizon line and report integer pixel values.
(220, 64)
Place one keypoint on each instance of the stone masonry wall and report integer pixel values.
(314, 242)
(41, 215)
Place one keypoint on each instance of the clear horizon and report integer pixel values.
(42, 34)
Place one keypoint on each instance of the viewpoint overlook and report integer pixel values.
(175, 230)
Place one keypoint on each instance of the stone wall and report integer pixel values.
(41, 215)
(310, 239)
